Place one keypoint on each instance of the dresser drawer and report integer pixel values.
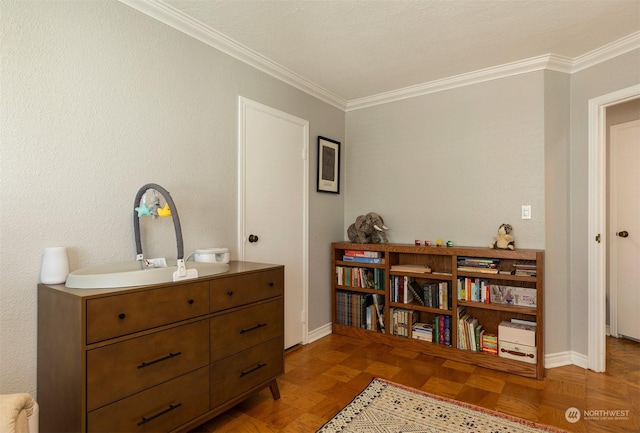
(236, 374)
(159, 409)
(241, 329)
(122, 369)
(124, 314)
(245, 289)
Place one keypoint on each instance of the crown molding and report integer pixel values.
(607, 52)
(176, 19)
(549, 61)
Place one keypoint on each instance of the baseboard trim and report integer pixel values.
(561, 359)
(551, 360)
(320, 332)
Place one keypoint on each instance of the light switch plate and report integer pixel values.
(526, 212)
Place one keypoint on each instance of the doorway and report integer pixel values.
(624, 221)
(597, 224)
(273, 197)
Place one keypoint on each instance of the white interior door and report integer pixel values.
(273, 193)
(625, 226)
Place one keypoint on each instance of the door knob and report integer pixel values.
(253, 238)
(623, 234)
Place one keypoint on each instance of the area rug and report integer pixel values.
(385, 407)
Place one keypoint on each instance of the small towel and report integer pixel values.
(15, 409)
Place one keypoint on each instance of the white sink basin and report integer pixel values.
(127, 274)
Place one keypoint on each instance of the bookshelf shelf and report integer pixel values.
(500, 307)
(395, 310)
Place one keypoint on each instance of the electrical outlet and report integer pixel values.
(526, 212)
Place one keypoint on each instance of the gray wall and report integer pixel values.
(456, 164)
(607, 77)
(98, 100)
(452, 165)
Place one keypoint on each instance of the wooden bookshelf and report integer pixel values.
(443, 262)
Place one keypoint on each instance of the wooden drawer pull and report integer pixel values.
(251, 370)
(164, 358)
(271, 284)
(121, 316)
(258, 326)
(152, 417)
(230, 293)
(190, 301)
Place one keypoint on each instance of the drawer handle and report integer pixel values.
(258, 326)
(230, 293)
(164, 358)
(190, 301)
(251, 370)
(271, 284)
(121, 316)
(152, 417)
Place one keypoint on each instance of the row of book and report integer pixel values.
(368, 278)
(479, 290)
(360, 310)
(431, 294)
(402, 321)
(471, 333)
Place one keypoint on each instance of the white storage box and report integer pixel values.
(517, 333)
(212, 255)
(519, 352)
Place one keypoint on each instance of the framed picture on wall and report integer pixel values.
(328, 165)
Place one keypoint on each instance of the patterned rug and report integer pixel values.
(385, 407)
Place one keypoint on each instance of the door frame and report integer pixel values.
(243, 104)
(597, 222)
(613, 250)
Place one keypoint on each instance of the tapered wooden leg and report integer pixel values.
(275, 392)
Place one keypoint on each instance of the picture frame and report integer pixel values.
(328, 165)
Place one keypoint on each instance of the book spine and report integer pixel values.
(357, 253)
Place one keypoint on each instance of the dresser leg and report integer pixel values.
(275, 392)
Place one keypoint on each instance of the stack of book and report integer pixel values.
(422, 331)
(415, 268)
(525, 270)
(489, 343)
(478, 264)
(375, 257)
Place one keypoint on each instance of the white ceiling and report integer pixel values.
(355, 49)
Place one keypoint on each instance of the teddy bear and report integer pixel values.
(504, 240)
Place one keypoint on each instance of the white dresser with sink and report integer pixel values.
(166, 357)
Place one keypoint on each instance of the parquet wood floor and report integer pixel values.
(324, 376)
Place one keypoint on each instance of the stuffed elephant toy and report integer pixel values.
(368, 229)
